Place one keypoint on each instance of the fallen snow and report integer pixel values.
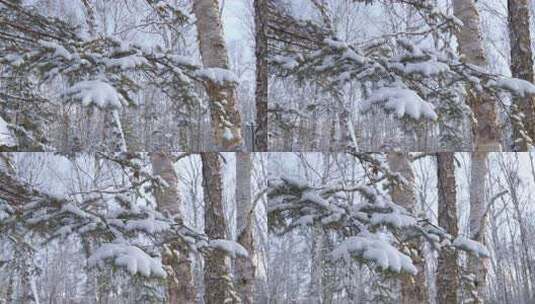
(6, 137)
(58, 49)
(128, 62)
(218, 76)
(227, 134)
(148, 225)
(471, 246)
(427, 68)
(402, 102)
(395, 219)
(231, 247)
(96, 92)
(132, 258)
(515, 85)
(376, 249)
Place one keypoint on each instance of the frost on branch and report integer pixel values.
(135, 260)
(370, 227)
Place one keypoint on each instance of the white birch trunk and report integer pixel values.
(226, 122)
(245, 268)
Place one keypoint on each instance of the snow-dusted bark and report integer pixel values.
(447, 270)
(521, 67)
(224, 112)
(176, 258)
(245, 268)
(486, 132)
(413, 289)
(219, 287)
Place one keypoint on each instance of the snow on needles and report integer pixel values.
(402, 102)
(374, 248)
(59, 50)
(96, 92)
(132, 258)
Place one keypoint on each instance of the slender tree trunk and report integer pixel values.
(477, 220)
(176, 258)
(521, 67)
(486, 132)
(486, 135)
(413, 289)
(219, 287)
(316, 292)
(261, 132)
(245, 269)
(448, 269)
(226, 123)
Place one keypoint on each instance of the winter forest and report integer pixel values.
(267, 151)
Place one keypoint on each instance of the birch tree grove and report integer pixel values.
(267, 151)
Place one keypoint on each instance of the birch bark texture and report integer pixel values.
(176, 258)
(245, 268)
(521, 67)
(447, 270)
(470, 39)
(486, 135)
(413, 289)
(219, 287)
(226, 122)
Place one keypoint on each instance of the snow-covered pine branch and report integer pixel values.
(373, 228)
(122, 219)
(399, 72)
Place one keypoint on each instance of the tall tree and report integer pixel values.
(226, 122)
(219, 287)
(486, 133)
(245, 268)
(521, 67)
(413, 290)
(470, 38)
(447, 269)
(261, 93)
(176, 257)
